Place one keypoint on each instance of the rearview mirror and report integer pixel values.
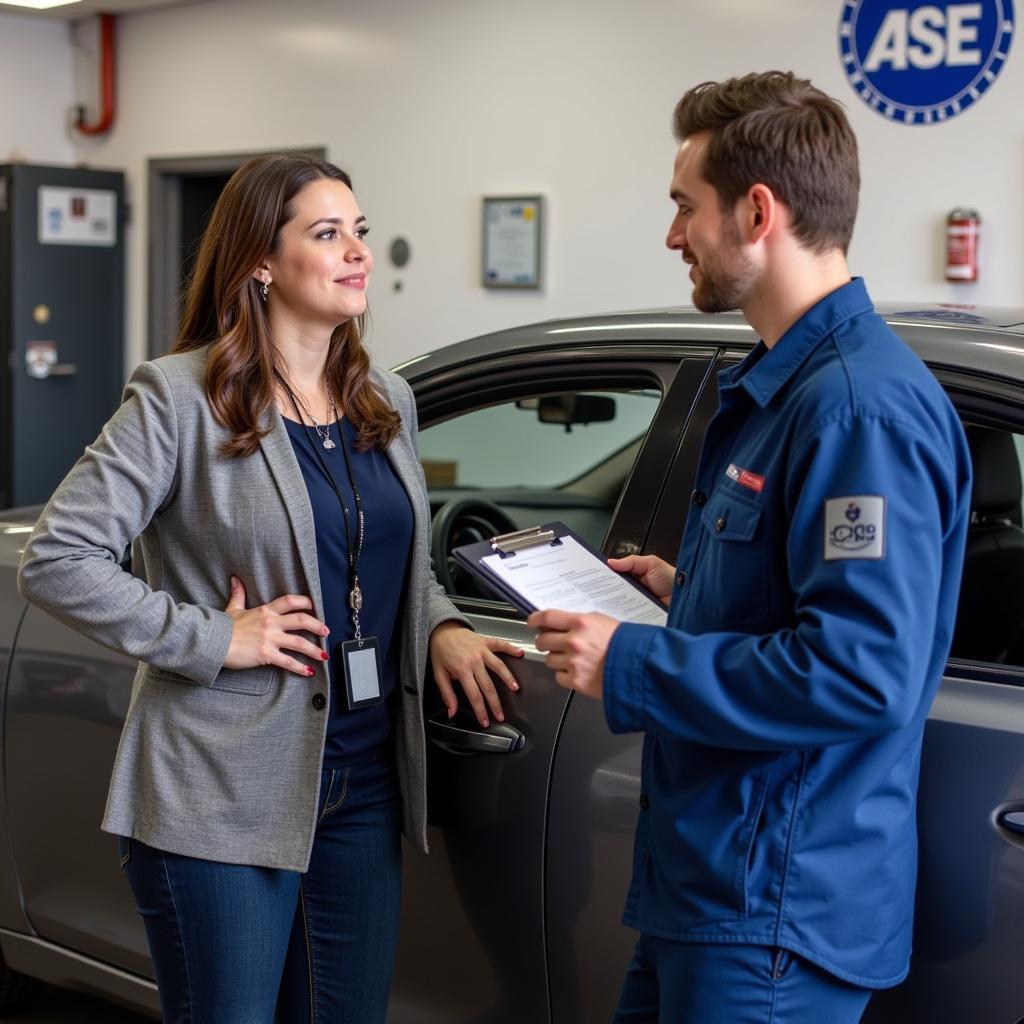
(571, 410)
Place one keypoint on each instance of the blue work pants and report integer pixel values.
(688, 983)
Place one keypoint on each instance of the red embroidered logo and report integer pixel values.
(745, 478)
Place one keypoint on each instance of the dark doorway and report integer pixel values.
(182, 193)
(198, 194)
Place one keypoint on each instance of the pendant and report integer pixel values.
(355, 598)
(329, 444)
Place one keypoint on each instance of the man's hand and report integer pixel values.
(576, 646)
(653, 572)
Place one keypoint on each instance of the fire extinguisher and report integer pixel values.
(963, 227)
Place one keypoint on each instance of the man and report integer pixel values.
(811, 608)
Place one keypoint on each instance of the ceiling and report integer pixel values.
(87, 8)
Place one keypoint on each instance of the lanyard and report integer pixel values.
(355, 596)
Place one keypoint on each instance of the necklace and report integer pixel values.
(324, 433)
(355, 597)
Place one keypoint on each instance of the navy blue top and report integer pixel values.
(354, 735)
(784, 703)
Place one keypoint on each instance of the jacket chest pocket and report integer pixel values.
(731, 575)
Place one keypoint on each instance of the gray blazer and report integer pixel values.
(222, 764)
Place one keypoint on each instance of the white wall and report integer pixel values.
(431, 105)
(36, 90)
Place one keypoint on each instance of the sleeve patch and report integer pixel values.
(855, 527)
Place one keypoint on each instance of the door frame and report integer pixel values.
(165, 176)
(680, 372)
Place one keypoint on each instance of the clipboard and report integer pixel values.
(507, 545)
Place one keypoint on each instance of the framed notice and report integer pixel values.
(77, 216)
(513, 228)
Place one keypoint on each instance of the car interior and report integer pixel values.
(505, 467)
(990, 615)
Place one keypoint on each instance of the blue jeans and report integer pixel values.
(688, 983)
(234, 944)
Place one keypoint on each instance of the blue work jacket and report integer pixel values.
(785, 701)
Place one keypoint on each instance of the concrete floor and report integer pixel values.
(59, 1006)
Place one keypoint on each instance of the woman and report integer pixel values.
(274, 745)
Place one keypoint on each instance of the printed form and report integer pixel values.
(568, 576)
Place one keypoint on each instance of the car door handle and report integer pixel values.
(1012, 821)
(498, 738)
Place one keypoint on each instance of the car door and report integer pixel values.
(595, 789)
(13, 531)
(969, 928)
(66, 702)
(472, 944)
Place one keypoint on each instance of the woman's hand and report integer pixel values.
(653, 572)
(260, 636)
(457, 652)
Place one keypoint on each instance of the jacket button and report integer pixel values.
(719, 524)
(319, 701)
(680, 578)
(644, 802)
(698, 498)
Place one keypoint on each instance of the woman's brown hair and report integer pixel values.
(223, 308)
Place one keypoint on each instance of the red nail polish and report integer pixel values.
(309, 671)
(323, 657)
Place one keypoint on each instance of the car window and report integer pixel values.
(524, 444)
(990, 614)
(543, 457)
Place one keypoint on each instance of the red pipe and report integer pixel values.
(107, 22)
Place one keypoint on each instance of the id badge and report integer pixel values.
(361, 668)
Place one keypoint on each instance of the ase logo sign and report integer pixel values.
(920, 63)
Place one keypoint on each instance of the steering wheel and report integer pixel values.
(464, 521)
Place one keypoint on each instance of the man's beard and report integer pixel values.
(726, 276)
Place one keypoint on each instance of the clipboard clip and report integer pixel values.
(509, 543)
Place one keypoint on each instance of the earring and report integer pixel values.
(264, 290)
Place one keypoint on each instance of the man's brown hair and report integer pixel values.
(775, 129)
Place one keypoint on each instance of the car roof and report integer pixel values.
(986, 340)
(989, 340)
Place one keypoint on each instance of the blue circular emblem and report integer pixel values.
(922, 63)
